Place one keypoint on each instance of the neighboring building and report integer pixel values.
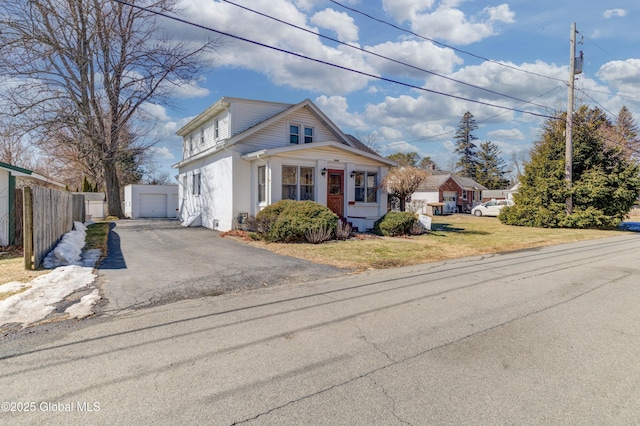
(445, 192)
(499, 194)
(151, 201)
(241, 155)
(11, 178)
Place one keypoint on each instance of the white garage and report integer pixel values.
(151, 201)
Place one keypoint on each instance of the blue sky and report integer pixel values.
(514, 49)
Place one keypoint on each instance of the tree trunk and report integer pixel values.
(403, 203)
(112, 189)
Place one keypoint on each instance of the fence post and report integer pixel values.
(27, 227)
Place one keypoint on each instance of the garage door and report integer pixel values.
(449, 199)
(153, 205)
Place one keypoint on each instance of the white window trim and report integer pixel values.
(367, 173)
(298, 134)
(304, 134)
(196, 181)
(298, 177)
(216, 129)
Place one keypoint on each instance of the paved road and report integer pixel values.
(154, 262)
(544, 336)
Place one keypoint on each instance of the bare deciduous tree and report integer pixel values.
(401, 182)
(84, 69)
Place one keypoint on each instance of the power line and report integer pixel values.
(397, 27)
(299, 55)
(381, 56)
(424, 138)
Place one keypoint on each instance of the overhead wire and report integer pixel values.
(320, 61)
(382, 56)
(399, 28)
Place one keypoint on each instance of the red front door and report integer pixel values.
(335, 191)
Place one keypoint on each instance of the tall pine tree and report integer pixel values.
(606, 181)
(465, 147)
(490, 169)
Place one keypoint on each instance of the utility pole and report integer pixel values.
(568, 167)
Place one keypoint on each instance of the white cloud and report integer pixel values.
(336, 108)
(156, 112)
(611, 13)
(438, 60)
(161, 153)
(506, 134)
(340, 22)
(403, 10)
(280, 67)
(623, 75)
(452, 25)
(501, 13)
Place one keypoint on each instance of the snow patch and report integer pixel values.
(39, 301)
(82, 309)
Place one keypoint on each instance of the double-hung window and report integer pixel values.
(308, 134)
(366, 187)
(197, 183)
(202, 136)
(298, 183)
(294, 133)
(300, 134)
(216, 129)
(262, 184)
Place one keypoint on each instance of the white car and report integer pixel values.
(490, 208)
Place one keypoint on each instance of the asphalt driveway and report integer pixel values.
(153, 262)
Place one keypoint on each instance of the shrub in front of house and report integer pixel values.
(289, 221)
(395, 223)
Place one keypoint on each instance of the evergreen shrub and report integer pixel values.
(288, 221)
(395, 223)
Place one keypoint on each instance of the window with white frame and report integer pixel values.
(294, 133)
(216, 129)
(308, 134)
(197, 183)
(202, 136)
(191, 144)
(298, 183)
(262, 184)
(366, 187)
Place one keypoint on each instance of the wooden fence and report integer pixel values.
(47, 215)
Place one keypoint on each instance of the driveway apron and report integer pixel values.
(153, 262)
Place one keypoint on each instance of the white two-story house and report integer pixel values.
(241, 155)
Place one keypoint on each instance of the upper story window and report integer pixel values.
(294, 133)
(300, 134)
(216, 129)
(366, 187)
(191, 147)
(308, 134)
(202, 136)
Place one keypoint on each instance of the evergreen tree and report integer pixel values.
(405, 158)
(627, 131)
(490, 169)
(606, 181)
(465, 147)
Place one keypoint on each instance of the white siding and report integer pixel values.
(215, 202)
(276, 135)
(209, 135)
(134, 195)
(247, 114)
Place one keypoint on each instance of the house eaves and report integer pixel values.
(204, 116)
(28, 174)
(315, 145)
(340, 135)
